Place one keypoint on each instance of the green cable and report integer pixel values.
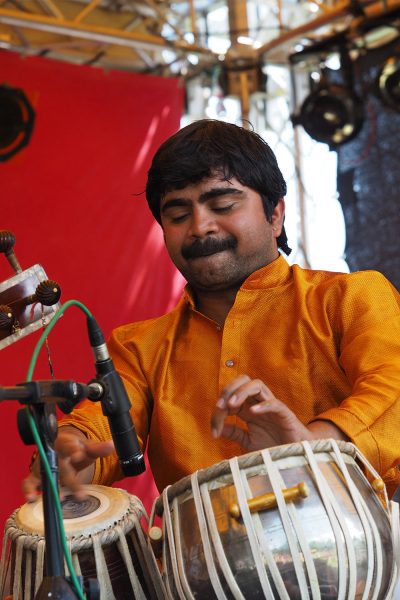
(39, 444)
(49, 327)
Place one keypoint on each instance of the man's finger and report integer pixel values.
(89, 452)
(31, 486)
(234, 385)
(98, 449)
(253, 390)
(272, 406)
(70, 480)
(217, 421)
(236, 434)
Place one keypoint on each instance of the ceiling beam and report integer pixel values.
(340, 10)
(161, 15)
(50, 8)
(87, 10)
(105, 35)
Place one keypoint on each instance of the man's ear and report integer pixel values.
(277, 218)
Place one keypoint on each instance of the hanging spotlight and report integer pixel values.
(16, 121)
(389, 83)
(331, 114)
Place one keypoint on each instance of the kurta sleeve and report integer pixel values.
(367, 318)
(89, 417)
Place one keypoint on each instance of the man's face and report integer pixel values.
(217, 233)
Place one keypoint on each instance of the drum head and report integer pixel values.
(103, 507)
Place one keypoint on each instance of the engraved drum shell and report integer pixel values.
(335, 543)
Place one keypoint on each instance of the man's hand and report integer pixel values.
(76, 458)
(269, 421)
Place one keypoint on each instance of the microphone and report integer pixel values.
(115, 404)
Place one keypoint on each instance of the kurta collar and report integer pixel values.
(273, 275)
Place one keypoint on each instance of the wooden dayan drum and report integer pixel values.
(334, 543)
(106, 541)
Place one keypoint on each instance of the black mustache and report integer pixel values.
(208, 246)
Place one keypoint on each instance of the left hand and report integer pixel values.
(269, 421)
(76, 457)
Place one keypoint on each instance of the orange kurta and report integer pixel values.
(327, 344)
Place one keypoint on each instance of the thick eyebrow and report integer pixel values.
(204, 197)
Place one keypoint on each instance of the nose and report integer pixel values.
(203, 223)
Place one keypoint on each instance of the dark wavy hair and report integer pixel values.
(206, 147)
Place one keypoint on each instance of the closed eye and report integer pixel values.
(178, 218)
(223, 209)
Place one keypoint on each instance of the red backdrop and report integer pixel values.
(69, 198)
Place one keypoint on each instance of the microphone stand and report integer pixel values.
(54, 584)
(35, 395)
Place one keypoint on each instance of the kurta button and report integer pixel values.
(229, 363)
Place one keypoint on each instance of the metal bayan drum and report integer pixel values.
(334, 543)
(106, 540)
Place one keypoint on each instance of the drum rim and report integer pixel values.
(251, 459)
(135, 511)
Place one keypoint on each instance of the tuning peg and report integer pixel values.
(48, 292)
(7, 319)
(7, 241)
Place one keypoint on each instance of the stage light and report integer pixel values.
(16, 121)
(389, 83)
(331, 114)
(244, 39)
(379, 36)
(333, 62)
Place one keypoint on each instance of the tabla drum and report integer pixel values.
(106, 541)
(299, 521)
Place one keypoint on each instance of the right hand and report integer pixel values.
(76, 458)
